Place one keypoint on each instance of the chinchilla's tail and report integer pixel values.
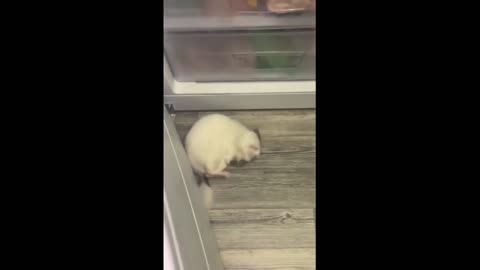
(207, 194)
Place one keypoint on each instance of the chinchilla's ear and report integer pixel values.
(258, 133)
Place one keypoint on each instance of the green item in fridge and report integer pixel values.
(275, 52)
(278, 60)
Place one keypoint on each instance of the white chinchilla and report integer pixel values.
(216, 140)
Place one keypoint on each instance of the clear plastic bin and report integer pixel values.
(241, 55)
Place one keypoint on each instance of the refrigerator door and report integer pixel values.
(189, 240)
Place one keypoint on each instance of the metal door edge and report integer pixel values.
(188, 225)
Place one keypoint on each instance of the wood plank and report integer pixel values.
(250, 114)
(263, 228)
(271, 115)
(269, 259)
(279, 144)
(284, 159)
(265, 189)
(270, 122)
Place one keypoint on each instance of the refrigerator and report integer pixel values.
(226, 55)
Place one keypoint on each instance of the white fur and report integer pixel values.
(215, 140)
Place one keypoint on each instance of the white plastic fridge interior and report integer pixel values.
(212, 41)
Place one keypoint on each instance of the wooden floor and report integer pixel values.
(263, 215)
